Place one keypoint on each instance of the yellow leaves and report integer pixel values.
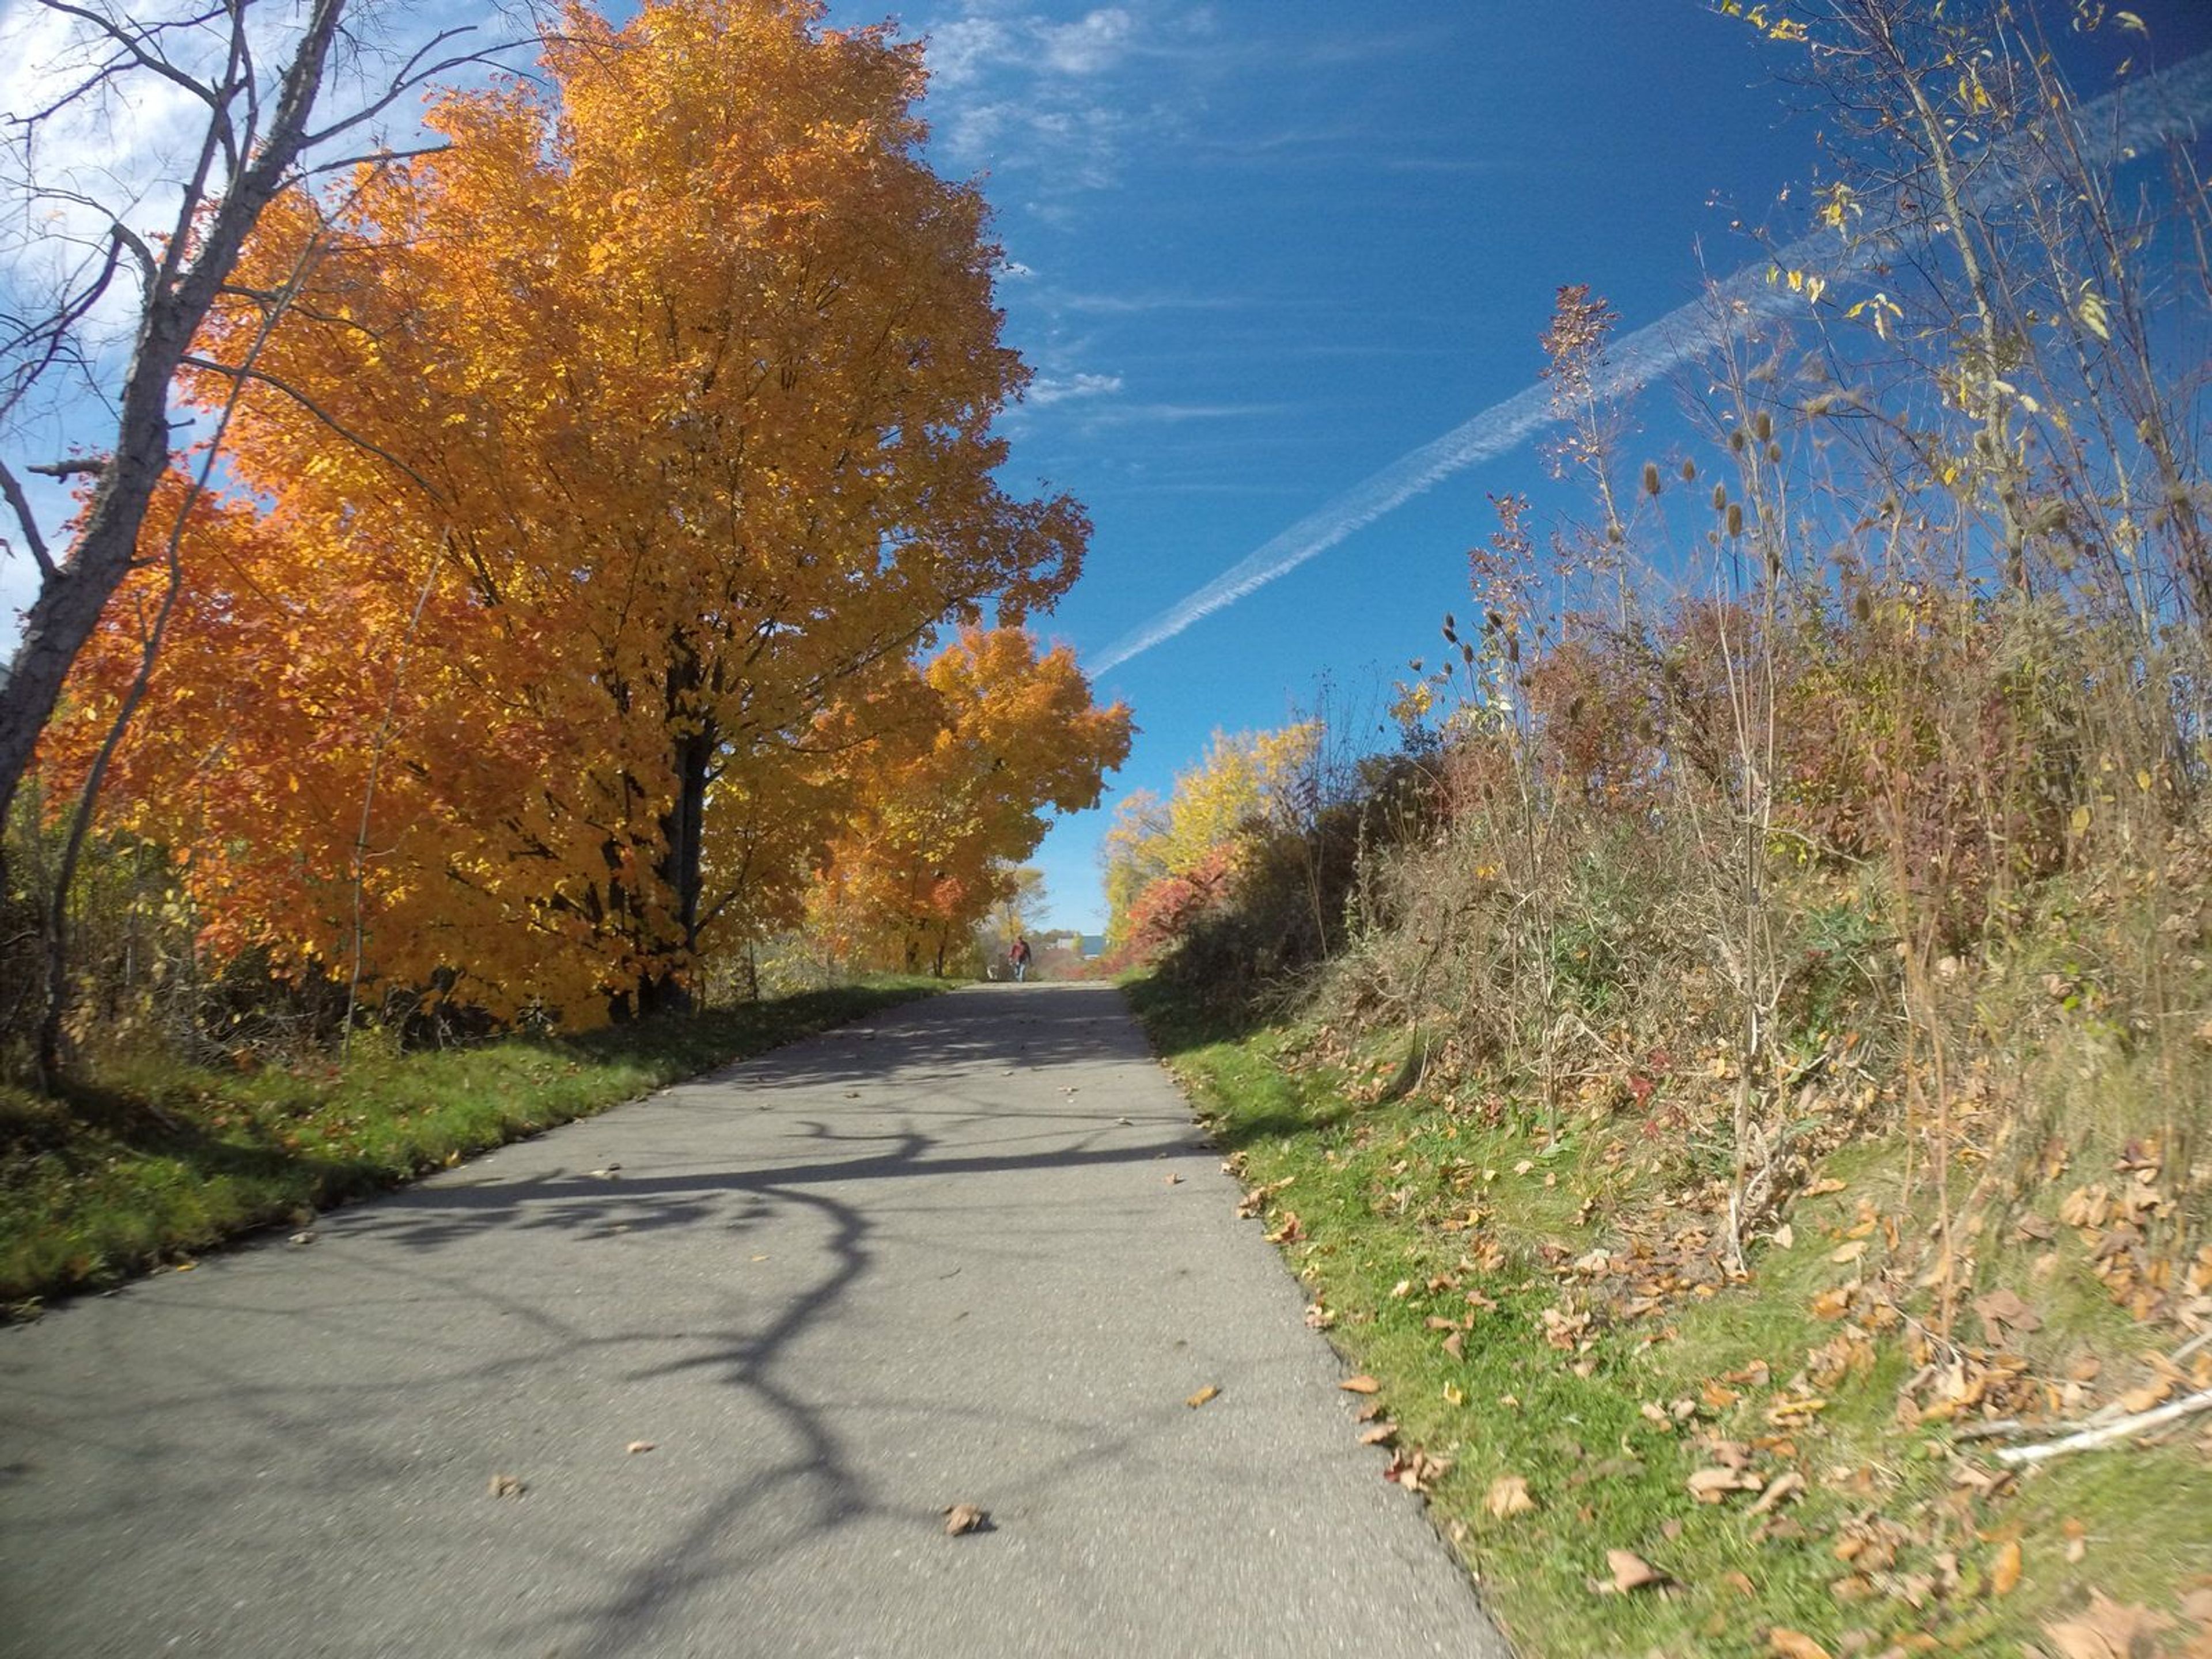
(1808, 283)
(1878, 309)
(1774, 24)
(2089, 308)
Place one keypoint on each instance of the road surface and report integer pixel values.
(972, 1250)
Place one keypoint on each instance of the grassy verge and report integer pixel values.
(157, 1161)
(1565, 1364)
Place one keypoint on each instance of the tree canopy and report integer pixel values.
(590, 503)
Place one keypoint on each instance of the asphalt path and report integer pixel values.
(973, 1250)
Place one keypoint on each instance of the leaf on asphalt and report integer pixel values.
(1376, 1434)
(2106, 1631)
(505, 1485)
(1362, 1384)
(1631, 1571)
(966, 1517)
(1507, 1496)
(1794, 1645)
(637, 1446)
(1204, 1395)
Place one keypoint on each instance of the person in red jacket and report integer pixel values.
(1019, 955)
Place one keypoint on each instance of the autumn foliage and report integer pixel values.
(604, 478)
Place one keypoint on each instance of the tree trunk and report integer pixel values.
(62, 618)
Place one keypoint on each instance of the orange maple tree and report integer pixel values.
(950, 800)
(600, 455)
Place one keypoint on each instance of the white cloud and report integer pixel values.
(1015, 90)
(1043, 393)
(1098, 41)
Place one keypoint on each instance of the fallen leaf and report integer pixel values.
(1362, 1384)
(1825, 1184)
(506, 1486)
(2106, 1630)
(1846, 1254)
(966, 1517)
(1784, 1236)
(1632, 1572)
(637, 1446)
(2000, 1309)
(1507, 1496)
(1171, 1181)
(2004, 1571)
(1793, 1645)
(1204, 1395)
(1782, 1488)
(2142, 1399)
(1711, 1484)
(1376, 1434)
(1415, 1470)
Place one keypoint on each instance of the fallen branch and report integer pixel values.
(2189, 1347)
(2089, 1439)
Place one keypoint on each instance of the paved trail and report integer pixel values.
(933, 1258)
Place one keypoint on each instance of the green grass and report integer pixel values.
(153, 1161)
(1383, 1193)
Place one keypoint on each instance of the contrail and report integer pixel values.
(2180, 98)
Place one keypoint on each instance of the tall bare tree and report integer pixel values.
(250, 76)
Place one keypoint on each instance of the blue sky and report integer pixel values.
(1260, 251)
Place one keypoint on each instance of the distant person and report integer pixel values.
(1019, 957)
